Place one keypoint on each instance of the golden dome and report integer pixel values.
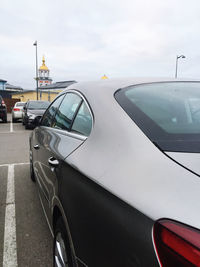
(43, 67)
(104, 77)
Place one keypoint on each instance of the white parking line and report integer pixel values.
(4, 132)
(14, 132)
(7, 165)
(10, 245)
(11, 126)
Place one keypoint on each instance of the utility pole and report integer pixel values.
(35, 44)
(177, 58)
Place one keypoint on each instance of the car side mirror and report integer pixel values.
(37, 121)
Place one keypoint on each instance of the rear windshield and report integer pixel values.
(168, 113)
(20, 104)
(38, 104)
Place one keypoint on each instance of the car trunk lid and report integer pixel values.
(191, 161)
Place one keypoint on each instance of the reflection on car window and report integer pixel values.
(83, 121)
(66, 111)
(168, 113)
(173, 107)
(194, 107)
(50, 113)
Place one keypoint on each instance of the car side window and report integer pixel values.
(51, 111)
(66, 112)
(83, 121)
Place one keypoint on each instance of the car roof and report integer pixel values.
(37, 101)
(103, 90)
(114, 84)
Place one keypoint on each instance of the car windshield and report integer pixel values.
(38, 105)
(168, 113)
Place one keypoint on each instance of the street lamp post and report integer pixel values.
(35, 44)
(177, 58)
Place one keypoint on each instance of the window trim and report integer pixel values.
(75, 114)
(86, 102)
(50, 107)
(69, 132)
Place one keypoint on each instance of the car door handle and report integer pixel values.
(53, 162)
(36, 146)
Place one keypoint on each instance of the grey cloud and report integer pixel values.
(85, 39)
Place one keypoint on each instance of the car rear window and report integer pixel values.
(20, 104)
(38, 104)
(168, 113)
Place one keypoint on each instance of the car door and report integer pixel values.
(40, 137)
(54, 143)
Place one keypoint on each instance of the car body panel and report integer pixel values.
(17, 114)
(95, 216)
(188, 160)
(113, 185)
(51, 144)
(160, 179)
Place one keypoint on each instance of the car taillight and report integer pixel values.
(176, 244)
(16, 109)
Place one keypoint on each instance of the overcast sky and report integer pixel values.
(84, 39)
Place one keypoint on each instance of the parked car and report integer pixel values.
(117, 167)
(23, 112)
(32, 109)
(3, 110)
(17, 111)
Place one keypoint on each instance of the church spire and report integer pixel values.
(44, 78)
(43, 67)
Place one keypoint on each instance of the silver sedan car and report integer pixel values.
(17, 111)
(117, 165)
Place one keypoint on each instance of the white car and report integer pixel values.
(17, 111)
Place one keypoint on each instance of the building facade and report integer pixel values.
(6, 90)
(32, 95)
(2, 84)
(13, 88)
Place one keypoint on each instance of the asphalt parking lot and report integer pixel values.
(24, 233)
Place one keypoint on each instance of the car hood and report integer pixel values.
(36, 112)
(191, 161)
